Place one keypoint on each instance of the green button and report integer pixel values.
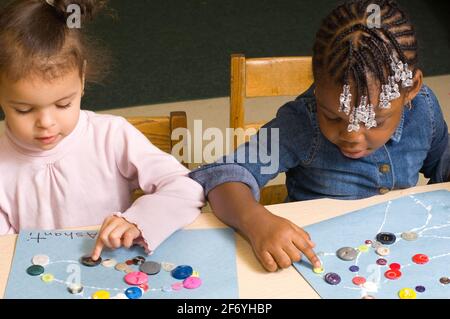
(35, 270)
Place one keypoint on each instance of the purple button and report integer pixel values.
(354, 268)
(420, 288)
(381, 262)
(332, 278)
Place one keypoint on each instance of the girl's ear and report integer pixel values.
(417, 84)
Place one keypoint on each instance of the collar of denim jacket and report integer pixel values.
(398, 132)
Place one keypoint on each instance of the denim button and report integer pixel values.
(385, 168)
(384, 190)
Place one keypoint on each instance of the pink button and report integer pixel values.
(192, 282)
(177, 286)
(136, 278)
(358, 280)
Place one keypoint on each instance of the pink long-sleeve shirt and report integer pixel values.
(89, 176)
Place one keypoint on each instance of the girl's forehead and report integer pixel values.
(38, 90)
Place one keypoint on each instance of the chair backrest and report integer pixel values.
(266, 77)
(159, 131)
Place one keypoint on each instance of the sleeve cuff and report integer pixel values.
(214, 175)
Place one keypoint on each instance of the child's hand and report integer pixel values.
(114, 233)
(278, 243)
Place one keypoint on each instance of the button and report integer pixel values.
(384, 190)
(129, 270)
(47, 278)
(395, 266)
(195, 273)
(177, 286)
(182, 272)
(385, 168)
(35, 270)
(386, 238)
(332, 278)
(192, 283)
(354, 268)
(133, 293)
(368, 297)
(368, 242)
(121, 267)
(120, 296)
(407, 293)
(381, 261)
(150, 267)
(136, 278)
(420, 289)
(75, 288)
(129, 262)
(41, 260)
(363, 248)
(383, 251)
(108, 263)
(347, 253)
(376, 244)
(358, 281)
(138, 260)
(89, 262)
(145, 287)
(168, 266)
(409, 236)
(392, 274)
(101, 294)
(420, 259)
(318, 270)
(444, 280)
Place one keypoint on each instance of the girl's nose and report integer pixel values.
(45, 120)
(352, 138)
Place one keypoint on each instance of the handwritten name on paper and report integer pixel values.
(43, 235)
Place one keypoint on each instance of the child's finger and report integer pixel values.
(305, 235)
(104, 235)
(115, 236)
(307, 250)
(97, 249)
(96, 252)
(293, 253)
(267, 261)
(281, 258)
(129, 236)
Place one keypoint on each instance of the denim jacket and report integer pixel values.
(316, 168)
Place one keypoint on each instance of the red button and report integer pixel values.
(420, 259)
(395, 266)
(144, 287)
(368, 242)
(392, 274)
(129, 262)
(358, 280)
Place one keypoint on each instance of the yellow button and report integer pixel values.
(101, 294)
(318, 270)
(47, 278)
(385, 168)
(407, 293)
(384, 190)
(195, 273)
(363, 248)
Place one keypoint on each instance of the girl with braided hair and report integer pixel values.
(367, 125)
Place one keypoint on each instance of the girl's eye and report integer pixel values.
(64, 106)
(23, 111)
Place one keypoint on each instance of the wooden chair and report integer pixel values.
(159, 131)
(265, 77)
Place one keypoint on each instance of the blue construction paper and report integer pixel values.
(211, 252)
(428, 214)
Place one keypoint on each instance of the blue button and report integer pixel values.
(354, 268)
(182, 272)
(133, 293)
